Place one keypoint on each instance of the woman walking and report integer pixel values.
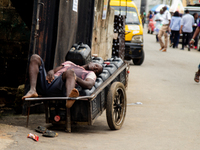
(175, 27)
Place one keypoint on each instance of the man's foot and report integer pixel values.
(182, 49)
(171, 44)
(161, 48)
(74, 93)
(30, 94)
(195, 47)
(196, 77)
(164, 50)
(188, 48)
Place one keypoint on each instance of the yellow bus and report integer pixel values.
(133, 30)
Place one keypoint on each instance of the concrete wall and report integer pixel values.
(102, 38)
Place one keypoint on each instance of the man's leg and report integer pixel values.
(176, 33)
(197, 74)
(70, 81)
(189, 37)
(157, 38)
(178, 37)
(172, 38)
(183, 40)
(166, 38)
(35, 62)
(160, 34)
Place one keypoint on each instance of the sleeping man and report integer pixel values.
(60, 81)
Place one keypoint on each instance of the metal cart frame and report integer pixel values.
(109, 83)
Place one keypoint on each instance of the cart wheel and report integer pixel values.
(116, 106)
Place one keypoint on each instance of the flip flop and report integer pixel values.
(50, 133)
(196, 77)
(41, 129)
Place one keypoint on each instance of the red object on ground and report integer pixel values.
(57, 118)
(128, 71)
(33, 136)
(107, 63)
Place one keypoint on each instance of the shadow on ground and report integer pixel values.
(36, 120)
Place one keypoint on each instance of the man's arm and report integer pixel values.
(50, 74)
(195, 34)
(86, 84)
(169, 25)
(181, 29)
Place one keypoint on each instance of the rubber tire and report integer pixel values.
(139, 61)
(109, 107)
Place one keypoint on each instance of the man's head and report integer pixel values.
(161, 11)
(186, 11)
(176, 14)
(95, 67)
(164, 8)
(195, 15)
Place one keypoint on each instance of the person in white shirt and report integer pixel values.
(186, 29)
(158, 19)
(166, 18)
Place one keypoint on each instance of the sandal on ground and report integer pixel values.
(41, 129)
(196, 77)
(50, 133)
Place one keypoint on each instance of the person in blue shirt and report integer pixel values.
(186, 29)
(175, 27)
(149, 16)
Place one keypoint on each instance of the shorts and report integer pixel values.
(55, 88)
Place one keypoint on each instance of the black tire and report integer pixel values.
(116, 106)
(138, 61)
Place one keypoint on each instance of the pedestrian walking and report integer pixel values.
(142, 17)
(158, 20)
(166, 18)
(186, 29)
(175, 27)
(196, 33)
(149, 16)
(196, 22)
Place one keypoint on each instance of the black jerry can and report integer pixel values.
(97, 60)
(87, 92)
(111, 68)
(104, 75)
(117, 61)
(79, 54)
(98, 82)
